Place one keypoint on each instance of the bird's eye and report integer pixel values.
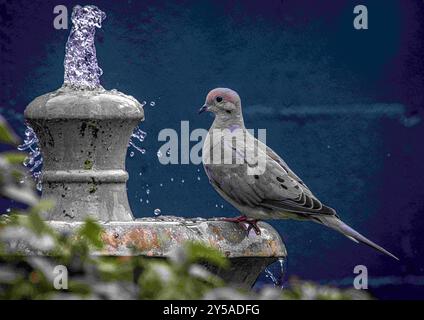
(218, 99)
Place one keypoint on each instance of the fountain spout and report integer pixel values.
(83, 132)
(81, 68)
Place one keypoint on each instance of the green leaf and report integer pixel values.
(199, 252)
(41, 206)
(14, 157)
(20, 193)
(36, 224)
(91, 231)
(6, 133)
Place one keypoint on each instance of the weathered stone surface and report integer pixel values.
(83, 137)
(248, 253)
(157, 237)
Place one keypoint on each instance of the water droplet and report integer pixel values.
(198, 178)
(140, 173)
(222, 206)
(182, 181)
(198, 170)
(216, 205)
(172, 179)
(148, 191)
(143, 151)
(152, 103)
(161, 184)
(143, 103)
(147, 201)
(157, 212)
(132, 154)
(141, 200)
(8, 210)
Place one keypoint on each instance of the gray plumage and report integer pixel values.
(276, 192)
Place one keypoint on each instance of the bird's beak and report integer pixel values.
(203, 109)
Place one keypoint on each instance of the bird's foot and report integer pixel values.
(243, 221)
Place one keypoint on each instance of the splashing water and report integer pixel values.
(137, 137)
(274, 274)
(81, 68)
(34, 159)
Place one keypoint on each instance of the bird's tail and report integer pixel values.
(338, 225)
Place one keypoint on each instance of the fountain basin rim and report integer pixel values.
(155, 238)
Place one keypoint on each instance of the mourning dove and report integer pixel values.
(254, 179)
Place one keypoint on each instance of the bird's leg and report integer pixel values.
(235, 219)
(253, 223)
(243, 220)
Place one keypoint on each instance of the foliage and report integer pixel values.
(94, 276)
(182, 277)
(308, 290)
(15, 183)
(6, 133)
(30, 251)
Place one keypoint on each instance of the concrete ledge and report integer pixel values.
(249, 254)
(156, 237)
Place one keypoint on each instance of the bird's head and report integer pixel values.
(222, 102)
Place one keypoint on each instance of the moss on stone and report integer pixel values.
(88, 164)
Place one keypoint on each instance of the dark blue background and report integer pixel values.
(343, 107)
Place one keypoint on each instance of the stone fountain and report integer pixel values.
(83, 133)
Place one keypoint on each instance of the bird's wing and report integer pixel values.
(274, 156)
(277, 189)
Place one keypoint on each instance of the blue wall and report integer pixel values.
(343, 107)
